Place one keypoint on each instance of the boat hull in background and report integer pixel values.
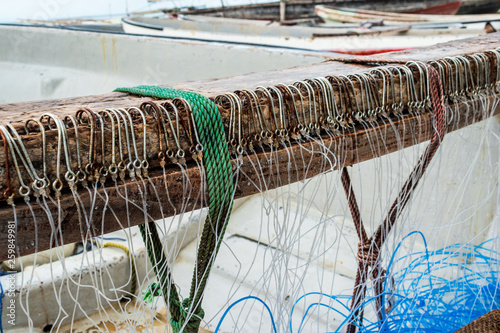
(358, 16)
(479, 6)
(332, 39)
(298, 9)
(449, 8)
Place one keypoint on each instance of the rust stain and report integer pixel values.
(114, 54)
(103, 42)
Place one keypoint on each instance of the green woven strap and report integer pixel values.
(220, 198)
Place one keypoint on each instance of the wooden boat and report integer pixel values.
(449, 8)
(350, 40)
(49, 289)
(299, 9)
(350, 15)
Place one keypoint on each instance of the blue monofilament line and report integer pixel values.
(420, 297)
(244, 299)
(424, 301)
(335, 298)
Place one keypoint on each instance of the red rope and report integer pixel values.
(368, 249)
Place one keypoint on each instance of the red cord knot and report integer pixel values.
(367, 254)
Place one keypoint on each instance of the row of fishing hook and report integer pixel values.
(261, 117)
(116, 127)
(469, 76)
(276, 114)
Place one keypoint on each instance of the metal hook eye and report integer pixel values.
(24, 190)
(137, 164)
(57, 185)
(233, 142)
(103, 171)
(80, 175)
(113, 169)
(8, 193)
(161, 156)
(170, 153)
(39, 184)
(121, 166)
(70, 176)
(88, 168)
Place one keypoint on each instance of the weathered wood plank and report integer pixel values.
(19, 112)
(350, 148)
(458, 47)
(32, 140)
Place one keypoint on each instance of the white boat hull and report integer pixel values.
(43, 63)
(343, 43)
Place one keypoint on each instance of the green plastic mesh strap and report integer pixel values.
(220, 201)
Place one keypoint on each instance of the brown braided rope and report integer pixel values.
(488, 323)
(439, 123)
(368, 249)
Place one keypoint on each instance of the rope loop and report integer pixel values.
(368, 249)
(219, 177)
